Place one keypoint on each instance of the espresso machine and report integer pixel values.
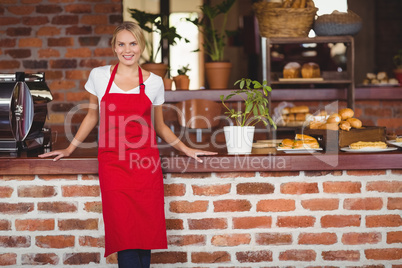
(23, 112)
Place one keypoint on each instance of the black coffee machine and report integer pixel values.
(23, 112)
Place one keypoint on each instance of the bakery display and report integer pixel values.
(292, 70)
(310, 70)
(367, 144)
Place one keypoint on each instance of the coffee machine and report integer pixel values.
(23, 111)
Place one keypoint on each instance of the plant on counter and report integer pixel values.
(256, 104)
(214, 37)
(183, 70)
(152, 23)
(182, 81)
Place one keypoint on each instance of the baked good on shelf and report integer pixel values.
(382, 76)
(354, 122)
(291, 70)
(304, 137)
(299, 109)
(330, 126)
(295, 115)
(346, 113)
(368, 144)
(334, 118)
(345, 125)
(301, 141)
(398, 139)
(310, 70)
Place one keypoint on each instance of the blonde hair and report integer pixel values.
(133, 28)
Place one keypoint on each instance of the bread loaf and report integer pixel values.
(344, 125)
(310, 70)
(334, 118)
(346, 113)
(292, 70)
(299, 109)
(354, 122)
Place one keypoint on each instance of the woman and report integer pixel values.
(124, 97)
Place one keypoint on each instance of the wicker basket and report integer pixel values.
(275, 21)
(338, 23)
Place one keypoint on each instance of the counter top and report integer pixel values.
(172, 162)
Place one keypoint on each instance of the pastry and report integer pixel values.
(346, 113)
(310, 70)
(398, 139)
(334, 118)
(345, 125)
(382, 76)
(329, 126)
(315, 124)
(286, 110)
(354, 122)
(368, 144)
(299, 109)
(286, 144)
(304, 137)
(291, 70)
(301, 141)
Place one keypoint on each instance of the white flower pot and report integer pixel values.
(239, 140)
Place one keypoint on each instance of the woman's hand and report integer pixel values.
(194, 153)
(58, 153)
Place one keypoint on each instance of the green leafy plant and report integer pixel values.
(256, 104)
(152, 23)
(214, 37)
(398, 59)
(183, 70)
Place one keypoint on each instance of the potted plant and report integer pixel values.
(167, 80)
(239, 137)
(152, 23)
(182, 80)
(398, 64)
(214, 42)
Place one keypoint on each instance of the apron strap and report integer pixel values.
(142, 86)
(111, 79)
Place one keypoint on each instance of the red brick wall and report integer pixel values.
(63, 38)
(246, 219)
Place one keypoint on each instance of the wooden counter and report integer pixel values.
(262, 160)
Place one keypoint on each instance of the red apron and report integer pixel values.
(130, 174)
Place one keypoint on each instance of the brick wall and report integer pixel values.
(63, 38)
(263, 219)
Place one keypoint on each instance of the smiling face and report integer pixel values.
(127, 48)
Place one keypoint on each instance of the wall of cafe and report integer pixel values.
(66, 39)
(231, 219)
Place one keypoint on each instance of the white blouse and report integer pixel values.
(99, 78)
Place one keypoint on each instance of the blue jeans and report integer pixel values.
(134, 258)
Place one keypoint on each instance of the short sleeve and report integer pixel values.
(160, 91)
(90, 84)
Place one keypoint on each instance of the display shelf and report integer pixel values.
(330, 79)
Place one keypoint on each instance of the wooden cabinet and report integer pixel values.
(340, 78)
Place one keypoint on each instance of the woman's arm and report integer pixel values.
(166, 134)
(89, 122)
